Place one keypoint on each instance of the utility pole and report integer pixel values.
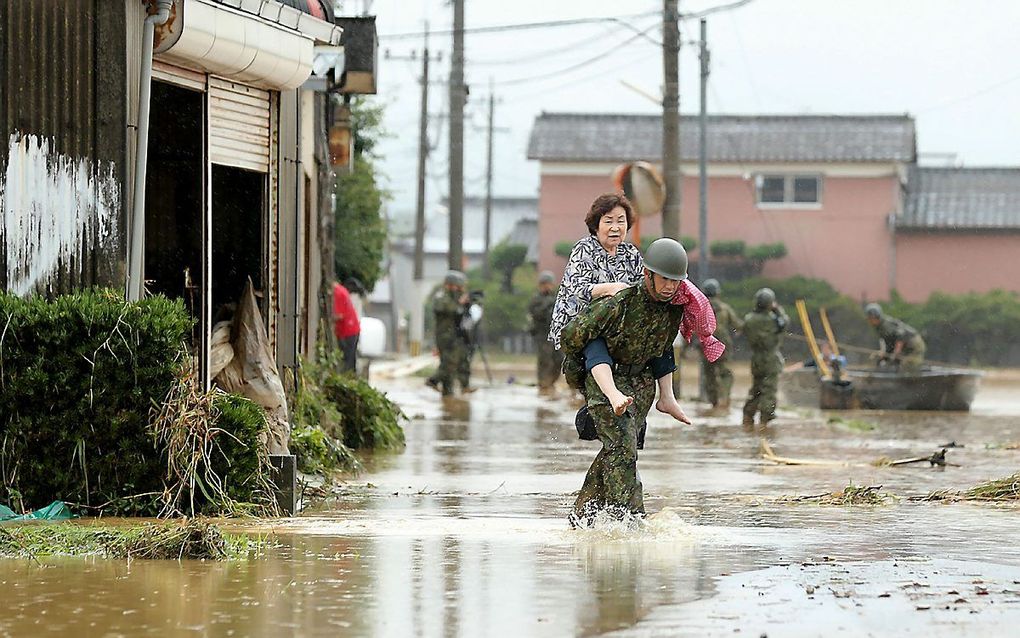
(423, 152)
(671, 118)
(458, 95)
(702, 159)
(488, 184)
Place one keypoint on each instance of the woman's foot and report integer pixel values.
(620, 402)
(673, 409)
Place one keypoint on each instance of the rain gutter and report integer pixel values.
(136, 246)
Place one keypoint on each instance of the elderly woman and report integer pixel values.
(603, 264)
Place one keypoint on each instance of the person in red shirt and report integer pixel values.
(346, 325)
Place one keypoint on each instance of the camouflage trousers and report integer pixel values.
(612, 484)
(454, 365)
(549, 362)
(761, 398)
(718, 381)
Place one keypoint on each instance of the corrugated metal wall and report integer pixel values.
(63, 81)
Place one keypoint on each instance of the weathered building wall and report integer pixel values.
(956, 262)
(63, 114)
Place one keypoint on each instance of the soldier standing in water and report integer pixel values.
(540, 311)
(764, 328)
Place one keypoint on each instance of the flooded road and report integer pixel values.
(464, 534)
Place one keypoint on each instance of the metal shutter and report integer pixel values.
(239, 125)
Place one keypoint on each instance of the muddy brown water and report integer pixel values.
(464, 534)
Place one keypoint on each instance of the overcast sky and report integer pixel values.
(952, 64)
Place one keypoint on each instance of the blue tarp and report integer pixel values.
(55, 511)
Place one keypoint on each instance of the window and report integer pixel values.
(783, 190)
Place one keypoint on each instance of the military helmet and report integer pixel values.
(668, 258)
(710, 287)
(873, 310)
(546, 277)
(764, 298)
(455, 278)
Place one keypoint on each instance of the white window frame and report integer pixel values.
(788, 191)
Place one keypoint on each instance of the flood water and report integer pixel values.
(464, 534)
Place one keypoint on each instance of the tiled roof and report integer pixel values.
(577, 137)
(962, 199)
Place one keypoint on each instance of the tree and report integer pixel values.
(505, 258)
(360, 235)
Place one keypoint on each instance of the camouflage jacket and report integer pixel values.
(765, 330)
(726, 322)
(449, 313)
(892, 330)
(540, 311)
(635, 326)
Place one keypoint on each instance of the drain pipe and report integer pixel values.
(136, 246)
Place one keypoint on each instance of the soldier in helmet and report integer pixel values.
(638, 325)
(718, 376)
(540, 312)
(764, 328)
(450, 305)
(901, 344)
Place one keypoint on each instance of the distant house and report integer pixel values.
(959, 231)
(843, 193)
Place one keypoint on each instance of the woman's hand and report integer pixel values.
(608, 289)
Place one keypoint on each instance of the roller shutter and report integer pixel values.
(239, 125)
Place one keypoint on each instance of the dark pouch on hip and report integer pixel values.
(585, 425)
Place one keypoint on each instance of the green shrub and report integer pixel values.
(764, 252)
(727, 248)
(689, 243)
(563, 248)
(78, 376)
(506, 258)
(336, 413)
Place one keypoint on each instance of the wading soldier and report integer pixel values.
(718, 376)
(901, 344)
(449, 306)
(764, 329)
(540, 311)
(638, 324)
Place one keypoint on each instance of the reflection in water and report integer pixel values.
(464, 533)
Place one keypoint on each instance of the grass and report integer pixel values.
(164, 540)
(849, 495)
(857, 425)
(999, 490)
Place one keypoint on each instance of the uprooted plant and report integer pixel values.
(215, 448)
(849, 495)
(1002, 490)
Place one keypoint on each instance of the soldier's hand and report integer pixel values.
(464, 299)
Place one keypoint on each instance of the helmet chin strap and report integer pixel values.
(655, 288)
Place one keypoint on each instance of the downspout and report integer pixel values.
(136, 252)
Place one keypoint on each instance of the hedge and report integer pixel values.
(81, 378)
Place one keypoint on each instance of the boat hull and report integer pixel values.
(934, 388)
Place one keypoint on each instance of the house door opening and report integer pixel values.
(174, 200)
(238, 203)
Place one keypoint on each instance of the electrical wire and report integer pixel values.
(523, 26)
(574, 67)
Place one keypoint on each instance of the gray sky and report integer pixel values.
(952, 64)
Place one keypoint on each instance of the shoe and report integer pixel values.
(748, 420)
(468, 389)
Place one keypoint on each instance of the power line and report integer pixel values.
(524, 26)
(544, 55)
(579, 65)
(709, 11)
(586, 78)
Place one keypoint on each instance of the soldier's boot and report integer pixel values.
(724, 403)
(748, 419)
(433, 383)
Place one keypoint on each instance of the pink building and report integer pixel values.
(842, 193)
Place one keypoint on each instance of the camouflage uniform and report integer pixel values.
(718, 376)
(764, 330)
(890, 331)
(549, 359)
(636, 328)
(451, 341)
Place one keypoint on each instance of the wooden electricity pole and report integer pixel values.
(671, 119)
(458, 96)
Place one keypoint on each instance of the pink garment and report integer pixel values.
(699, 319)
